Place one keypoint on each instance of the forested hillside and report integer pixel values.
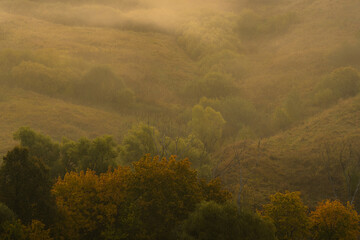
(261, 97)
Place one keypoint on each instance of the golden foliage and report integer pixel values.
(144, 202)
(332, 220)
(289, 215)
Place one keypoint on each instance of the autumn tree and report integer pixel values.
(212, 221)
(25, 186)
(90, 204)
(165, 191)
(331, 221)
(143, 202)
(289, 215)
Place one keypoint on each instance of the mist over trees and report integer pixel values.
(192, 119)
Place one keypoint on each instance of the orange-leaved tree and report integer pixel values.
(332, 220)
(144, 202)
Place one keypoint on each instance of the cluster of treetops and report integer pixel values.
(152, 198)
(217, 91)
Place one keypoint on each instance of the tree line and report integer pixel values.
(151, 198)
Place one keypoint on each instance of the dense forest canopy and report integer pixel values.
(165, 119)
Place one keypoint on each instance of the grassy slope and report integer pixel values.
(137, 57)
(152, 60)
(290, 160)
(54, 117)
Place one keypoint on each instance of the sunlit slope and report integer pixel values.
(53, 117)
(291, 159)
(151, 63)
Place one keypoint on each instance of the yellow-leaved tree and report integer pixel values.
(289, 215)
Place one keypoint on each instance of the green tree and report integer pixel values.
(289, 215)
(207, 125)
(98, 154)
(236, 111)
(25, 186)
(193, 149)
(140, 140)
(39, 146)
(212, 221)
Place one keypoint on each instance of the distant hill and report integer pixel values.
(291, 159)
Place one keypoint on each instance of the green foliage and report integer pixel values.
(289, 215)
(193, 149)
(98, 154)
(207, 125)
(214, 221)
(25, 186)
(236, 111)
(140, 140)
(39, 146)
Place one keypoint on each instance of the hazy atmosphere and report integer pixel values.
(179, 119)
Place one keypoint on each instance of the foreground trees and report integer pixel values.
(145, 202)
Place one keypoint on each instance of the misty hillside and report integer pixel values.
(293, 159)
(261, 96)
